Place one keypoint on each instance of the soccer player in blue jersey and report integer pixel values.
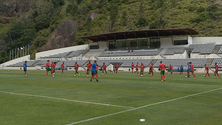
(25, 68)
(181, 69)
(93, 70)
(188, 70)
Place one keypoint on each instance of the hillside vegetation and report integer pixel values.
(33, 22)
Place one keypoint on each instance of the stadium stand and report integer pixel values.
(127, 63)
(20, 64)
(172, 51)
(67, 54)
(198, 63)
(77, 53)
(220, 50)
(70, 63)
(203, 48)
(134, 53)
(59, 55)
(218, 61)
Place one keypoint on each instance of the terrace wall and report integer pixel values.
(61, 50)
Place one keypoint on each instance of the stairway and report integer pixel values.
(209, 61)
(163, 52)
(34, 64)
(93, 54)
(216, 49)
(154, 61)
(68, 55)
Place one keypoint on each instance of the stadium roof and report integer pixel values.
(141, 34)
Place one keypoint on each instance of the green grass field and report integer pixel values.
(121, 99)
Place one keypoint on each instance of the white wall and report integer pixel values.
(197, 55)
(14, 61)
(61, 50)
(202, 40)
(176, 56)
(130, 57)
(167, 42)
(185, 55)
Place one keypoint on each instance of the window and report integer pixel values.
(180, 42)
(154, 43)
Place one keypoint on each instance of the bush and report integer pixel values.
(58, 3)
(42, 22)
(200, 18)
(142, 22)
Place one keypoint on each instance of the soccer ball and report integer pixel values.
(204, 76)
(141, 75)
(185, 76)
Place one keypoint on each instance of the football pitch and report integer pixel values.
(120, 99)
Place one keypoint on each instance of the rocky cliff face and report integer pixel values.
(13, 8)
(63, 36)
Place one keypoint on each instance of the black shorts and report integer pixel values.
(93, 72)
(25, 69)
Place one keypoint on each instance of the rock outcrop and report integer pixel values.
(13, 8)
(63, 36)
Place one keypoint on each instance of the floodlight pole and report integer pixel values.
(28, 49)
(10, 55)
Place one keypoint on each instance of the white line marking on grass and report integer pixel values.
(94, 103)
(103, 116)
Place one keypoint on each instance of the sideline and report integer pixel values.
(94, 103)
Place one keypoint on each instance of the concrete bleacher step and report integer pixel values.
(34, 64)
(154, 61)
(93, 53)
(68, 54)
(216, 49)
(209, 61)
(163, 52)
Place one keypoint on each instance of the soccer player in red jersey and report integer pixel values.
(63, 67)
(216, 70)
(170, 69)
(97, 71)
(151, 70)
(104, 69)
(47, 68)
(53, 69)
(132, 67)
(162, 68)
(192, 69)
(137, 68)
(89, 67)
(116, 69)
(142, 67)
(207, 70)
(76, 68)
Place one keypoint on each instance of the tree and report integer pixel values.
(72, 8)
(42, 22)
(16, 31)
(113, 14)
(141, 22)
(58, 3)
(89, 24)
(124, 18)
